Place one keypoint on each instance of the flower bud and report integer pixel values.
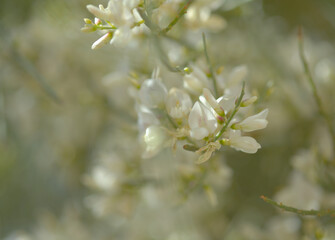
(87, 21)
(102, 41)
(249, 101)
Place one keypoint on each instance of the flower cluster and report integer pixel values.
(117, 22)
(194, 115)
(202, 114)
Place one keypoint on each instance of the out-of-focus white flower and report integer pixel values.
(195, 81)
(153, 93)
(118, 12)
(103, 178)
(155, 138)
(300, 193)
(201, 17)
(207, 151)
(102, 41)
(253, 123)
(232, 84)
(145, 117)
(241, 143)
(249, 101)
(201, 121)
(178, 103)
(305, 161)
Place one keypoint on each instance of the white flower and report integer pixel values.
(102, 41)
(178, 103)
(241, 143)
(122, 15)
(153, 93)
(195, 81)
(253, 123)
(201, 17)
(155, 138)
(103, 178)
(145, 117)
(232, 84)
(201, 121)
(118, 12)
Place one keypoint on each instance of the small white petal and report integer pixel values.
(153, 93)
(155, 138)
(243, 143)
(178, 103)
(252, 123)
(195, 81)
(98, 12)
(102, 41)
(201, 121)
(237, 75)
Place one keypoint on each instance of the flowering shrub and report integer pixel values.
(157, 133)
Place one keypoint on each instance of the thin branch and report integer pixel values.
(181, 13)
(311, 82)
(319, 213)
(237, 107)
(210, 66)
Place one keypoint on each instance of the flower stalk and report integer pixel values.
(284, 207)
(210, 66)
(311, 82)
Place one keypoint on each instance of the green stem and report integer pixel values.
(237, 107)
(181, 13)
(213, 76)
(311, 82)
(319, 213)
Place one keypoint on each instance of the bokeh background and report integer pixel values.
(65, 112)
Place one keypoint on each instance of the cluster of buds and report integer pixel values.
(117, 22)
(193, 115)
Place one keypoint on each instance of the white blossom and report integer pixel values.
(202, 121)
(253, 123)
(102, 41)
(145, 117)
(195, 81)
(118, 12)
(178, 103)
(121, 14)
(155, 138)
(242, 143)
(232, 83)
(153, 93)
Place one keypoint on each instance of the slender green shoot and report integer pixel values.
(286, 208)
(311, 82)
(213, 76)
(181, 12)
